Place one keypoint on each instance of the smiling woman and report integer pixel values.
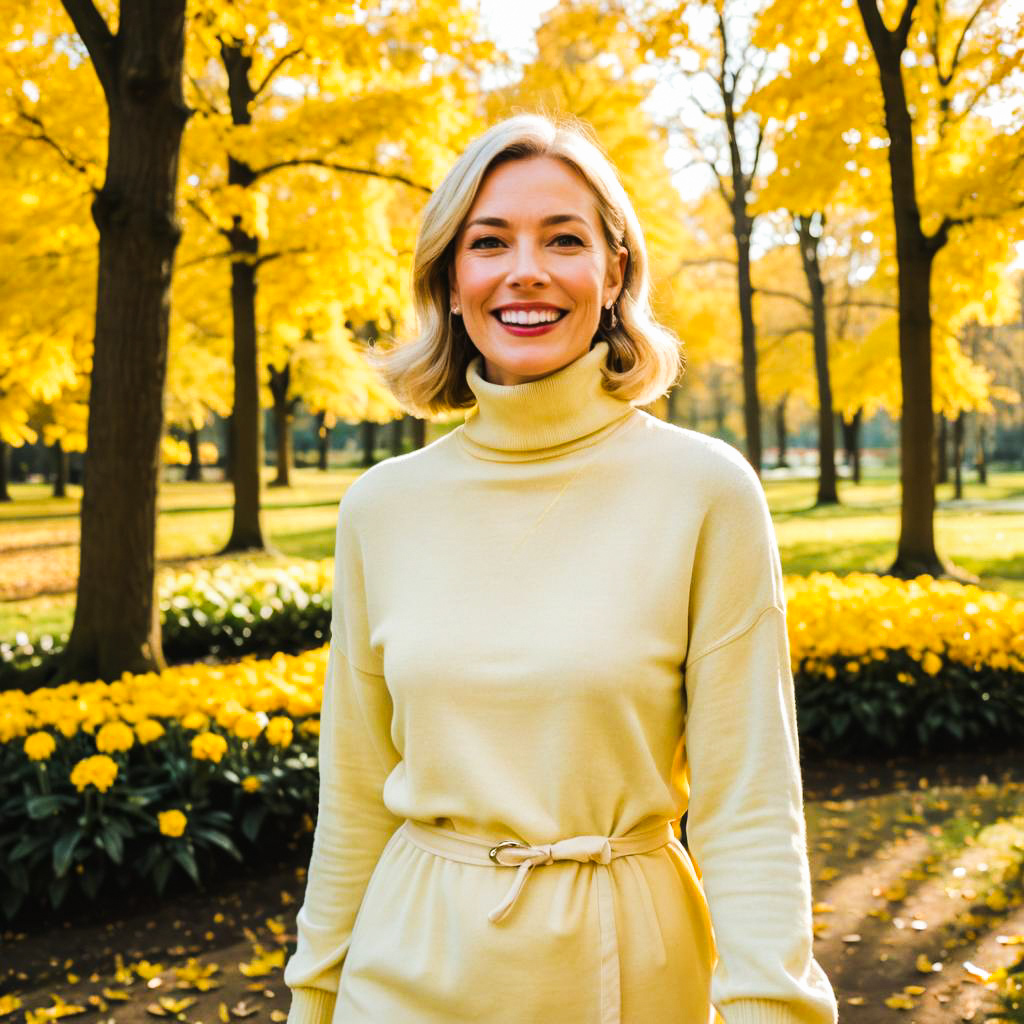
(556, 629)
(531, 262)
(531, 218)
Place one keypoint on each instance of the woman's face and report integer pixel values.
(532, 270)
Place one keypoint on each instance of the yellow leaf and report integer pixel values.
(900, 1001)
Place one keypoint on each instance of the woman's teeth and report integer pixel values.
(516, 316)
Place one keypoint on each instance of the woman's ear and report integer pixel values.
(453, 292)
(616, 275)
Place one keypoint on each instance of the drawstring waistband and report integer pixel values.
(599, 850)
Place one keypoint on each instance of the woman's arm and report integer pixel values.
(353, 825)
(745, 826)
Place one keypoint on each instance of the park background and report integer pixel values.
(210, 211)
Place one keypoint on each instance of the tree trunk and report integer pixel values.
(742, 224)
(5, 463)
(323, 441)
(851, 443)
(280, 382)
(116, 627)
(828, 493)
(941, 453)
(369, 438)
(982, 456)
(748, 341)
(60, 470)
(419, 432)
(397, 436)
(915, 253)
(781, 433)
(958, 456)
(194, 469)
(229, 447)
(246, 420)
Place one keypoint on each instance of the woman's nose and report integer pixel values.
(527, 268)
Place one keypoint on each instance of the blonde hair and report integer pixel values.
(428, 374)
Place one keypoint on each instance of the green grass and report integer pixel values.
(858, 534)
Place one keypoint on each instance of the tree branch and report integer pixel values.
(226, 254)
(99, 41)
(777, 294)
(959, 46)
(902, 33)
(267, 257)
(224, 233)
(41, 135)
(695, 144)
(274, 68)
(260, 172)
(941, 237)
(210, 105)
(708, 262)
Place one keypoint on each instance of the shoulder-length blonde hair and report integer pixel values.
(428, 374)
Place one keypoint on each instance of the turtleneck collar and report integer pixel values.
(565, 410)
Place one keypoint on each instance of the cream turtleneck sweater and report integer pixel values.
(565, 617)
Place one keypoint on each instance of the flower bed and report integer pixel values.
(887, 665)
(157, 773)
(152, 773)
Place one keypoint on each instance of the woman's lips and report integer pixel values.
(530, 330)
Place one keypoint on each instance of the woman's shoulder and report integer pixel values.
(716, 465)
(396, 478)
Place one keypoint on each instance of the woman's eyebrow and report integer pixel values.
(555, 218)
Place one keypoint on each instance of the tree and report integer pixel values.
(139, 70)
(706, 48)
(361, 83)
(922, 79)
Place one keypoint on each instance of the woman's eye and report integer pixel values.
(571, 239)
(477, 242)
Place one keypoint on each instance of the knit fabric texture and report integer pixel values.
(563, 617)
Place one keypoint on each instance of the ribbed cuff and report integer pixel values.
(760, 1011)
(311, 1006)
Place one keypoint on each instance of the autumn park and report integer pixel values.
(210, 218)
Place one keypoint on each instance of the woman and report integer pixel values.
(555, 630)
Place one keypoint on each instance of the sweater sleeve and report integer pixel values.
(356, 754)
(745, 825)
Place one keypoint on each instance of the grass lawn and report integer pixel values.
(39, 533)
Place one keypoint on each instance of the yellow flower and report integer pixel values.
(148, 730)
(68, 726)
(39, 746)
(249, 725)
(251, 784)
(228, 712)
(98, 770)
(279, 731)
(172, 823)
(114, 737)
(195, 720)
(209, 746)
(931, 663)
(311, 726)
(14, 723)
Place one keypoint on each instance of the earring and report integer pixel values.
(457, 310)
(613, 319)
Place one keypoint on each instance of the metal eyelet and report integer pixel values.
(501, 845)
